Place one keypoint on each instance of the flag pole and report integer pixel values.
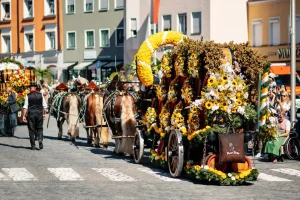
(293, 59)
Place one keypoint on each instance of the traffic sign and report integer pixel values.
(122, 69)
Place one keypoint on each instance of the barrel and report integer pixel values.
(213, 162)
(240, 167)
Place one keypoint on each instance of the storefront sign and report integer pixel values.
(285, 53)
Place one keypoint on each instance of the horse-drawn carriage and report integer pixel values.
(200, 115)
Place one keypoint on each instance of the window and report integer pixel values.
(49, 7)
(71, 40)
(89, 39)
(257, 33)
(274, 31)
(167, 23)
(88, 5)
(5, 11)
(103, 5)
(29, 42)
(70, 6)
(182, 23)
(133, 25)
(154, 27)
(28, 9)
(196, 23)
(119, 37)
(51, 41)
(6, 47)
(104, 38)
(119, 4)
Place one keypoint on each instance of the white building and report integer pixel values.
(218, 20)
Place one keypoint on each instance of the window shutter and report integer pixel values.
(167, 22)
(89, 1)
(257, 34)
(133, 24)
(70, 2)
(196, 22)
(104, 4)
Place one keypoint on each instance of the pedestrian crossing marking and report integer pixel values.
(65, 174)
(160, 175)
(292, 172)
(267, 177)
(19, 174)
(2, 177)
(113, 174)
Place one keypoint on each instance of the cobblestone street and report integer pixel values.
(63, 170)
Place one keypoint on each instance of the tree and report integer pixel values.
(43, 74)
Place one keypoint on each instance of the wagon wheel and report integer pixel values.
(175, 153)
(138, 146)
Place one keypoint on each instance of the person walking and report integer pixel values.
(34, 112)
(13, 107)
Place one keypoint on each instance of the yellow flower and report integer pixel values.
(197, 167)
(236, 177)
(238, 102)
(207, 127)
(234, 83)
(211, 81)
(162, 134)
(183, 131)
(242, 175)
(224, 176)
(224, 77)
(208, 105)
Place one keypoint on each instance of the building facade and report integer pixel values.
(269, 29)
(211, 19)
(31, 32)
(93, 35)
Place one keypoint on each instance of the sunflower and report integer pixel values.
(211, 81)
(208, 105)
(233, 110)
(238, 102)
(224, 104)
(238, 94)
(224, 77)
(234, 83)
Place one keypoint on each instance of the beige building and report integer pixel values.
(268, 28)
(211, 19)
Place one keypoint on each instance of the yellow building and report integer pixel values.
(268, 29)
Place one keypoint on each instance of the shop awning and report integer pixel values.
(112, 64)
(67, 65)
(83, 65)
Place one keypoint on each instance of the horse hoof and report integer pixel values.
(105, 146)
(77, 137)
(89, 142)
(73, 140)
(97, 145)
(59, 138)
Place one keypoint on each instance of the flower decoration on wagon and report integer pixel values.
(166, 65)
(165, 118)
(150, 118)
(187, 92)
(3, 98)
(225, 94)
(173, 90)
(177, 119)
(193, 65)
(179, 66)
(18, 79)
(161, 92)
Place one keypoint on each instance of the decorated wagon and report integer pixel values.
(203, 111)
(15, 75)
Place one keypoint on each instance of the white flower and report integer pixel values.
(229, 175)
(246, 95)
(206, 167)
(212, 93)
(207, 96)
(233, 178)
(215, 107)
(239, 87)
(241, 110)
(220, 87)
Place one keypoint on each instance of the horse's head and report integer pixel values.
(80, 83)
(115, 84)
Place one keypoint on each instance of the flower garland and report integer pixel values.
(173, 91)
(18, 79)
(161, 92)
(3, 98)
(187, 92)
(212, 175)
(193, 65)
(150, 118)
(144, 54)
(166, 65)
(199, 135)
(177, 119)
(267, 123)
(193, 118)
(179, 66)
(165, 118)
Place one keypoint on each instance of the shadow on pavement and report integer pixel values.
(16, 147)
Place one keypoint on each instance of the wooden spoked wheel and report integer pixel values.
(138, 146)
(175, 153)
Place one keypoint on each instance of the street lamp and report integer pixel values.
(293, 59)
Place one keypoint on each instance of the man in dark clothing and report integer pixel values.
(34, 112)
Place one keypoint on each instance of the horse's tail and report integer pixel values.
(73, 127)
(102, 131)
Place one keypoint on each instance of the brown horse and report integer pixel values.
(93, 118)
(66, 108)
(119, 111)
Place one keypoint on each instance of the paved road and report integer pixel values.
(63, 170)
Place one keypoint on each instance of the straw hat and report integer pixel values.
(62, 86)
(92, 86)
